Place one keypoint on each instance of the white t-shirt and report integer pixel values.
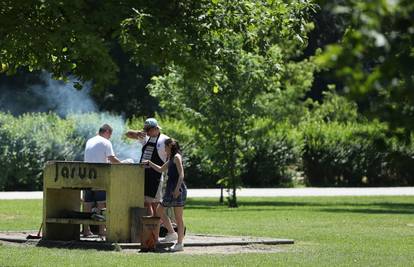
(160, 145)
(98, 149)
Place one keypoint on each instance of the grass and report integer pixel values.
(328, 231)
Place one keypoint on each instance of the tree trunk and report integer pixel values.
(233, 198)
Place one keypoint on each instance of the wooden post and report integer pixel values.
(136, 225)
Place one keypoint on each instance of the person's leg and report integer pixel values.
(178, 211)
(154, 207)
(156, 200)
(87, 207)
(148, 206)
(102, 228)
(167, 223)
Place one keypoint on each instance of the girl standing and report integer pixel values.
(175, 193)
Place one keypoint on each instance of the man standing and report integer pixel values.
(153, 149)
(98, 149)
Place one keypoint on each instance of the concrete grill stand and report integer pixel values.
(62, 185)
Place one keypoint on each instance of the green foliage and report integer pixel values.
(335, 108)
(399, 164)
(375, 58)
(243, 63)
(274, 153)
(354, 154)
(27, 142)
(65, 38)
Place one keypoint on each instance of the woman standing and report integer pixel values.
(175, 193)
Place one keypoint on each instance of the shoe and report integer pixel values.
(177, 247)
(170, 237)
(86, 234)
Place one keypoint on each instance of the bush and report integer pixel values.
(400, 162)
(274, 152)
(27, 142)
(330, 153)
(354, 154)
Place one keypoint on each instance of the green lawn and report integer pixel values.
(328, 231)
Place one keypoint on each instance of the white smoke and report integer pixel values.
(70, 103)
(87, 125)
(63, 98)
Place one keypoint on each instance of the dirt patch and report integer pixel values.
(194, 244)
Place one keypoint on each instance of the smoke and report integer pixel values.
(87, 126)
(18, 97)
(63, 98)
(70, 103)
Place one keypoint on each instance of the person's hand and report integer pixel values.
(176, 192)
(145, 162)
(131, 134)
(141, 134)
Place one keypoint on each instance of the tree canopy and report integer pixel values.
(65, 38)
(241, 66)
(374, 59)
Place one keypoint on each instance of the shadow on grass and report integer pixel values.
(371, 211)
(99, 245)
(325, 206)
(377, 208)
(76, 245)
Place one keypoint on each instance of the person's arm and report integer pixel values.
(162, 168)
(179, 163)
(135, 134)
(113, 159)
(110, 152)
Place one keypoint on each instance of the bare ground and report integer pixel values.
(194, 244)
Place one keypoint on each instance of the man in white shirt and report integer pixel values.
(153, 148)
(98, 149)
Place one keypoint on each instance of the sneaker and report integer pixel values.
(86, 234)
(170, 237)
(177, 247)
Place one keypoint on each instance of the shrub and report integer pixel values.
(274, 151)
(400, 163)
(353, 154)
(27, 142)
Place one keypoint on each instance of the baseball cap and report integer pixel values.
(151, 123)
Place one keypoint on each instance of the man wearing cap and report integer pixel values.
(153, 149)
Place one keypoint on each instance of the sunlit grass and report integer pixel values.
(328, 231)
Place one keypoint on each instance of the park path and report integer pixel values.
(267, 192)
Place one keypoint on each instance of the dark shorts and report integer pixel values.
(94, 196)
(168, 200)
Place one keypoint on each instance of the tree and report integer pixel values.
(374, 60)
(231, 60)
(65, 38)
(235, 60)
(77, 39)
